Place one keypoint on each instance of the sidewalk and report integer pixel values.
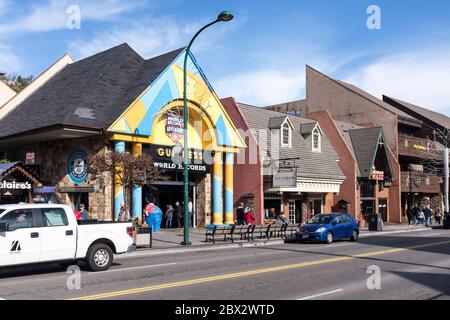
(396, 228)
(168, 241)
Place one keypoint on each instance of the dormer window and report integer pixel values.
(286, 135)
(316, 140)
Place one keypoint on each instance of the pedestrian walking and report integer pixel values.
(421, 216)
(438, 216)
(169, 216)
(415, 212)
(240, 214)
(427, 213)
(179, 214)
(83, 212)
(282, 219)
(124, 215)
(409, 215)
(249, 217)
(191, 212)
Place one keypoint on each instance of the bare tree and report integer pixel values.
(130, 171)
(16, 82)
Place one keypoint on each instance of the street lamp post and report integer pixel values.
(223, 16)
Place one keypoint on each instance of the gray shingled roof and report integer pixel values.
(345, 128)
(309, 164)
(92, 92)
(307, 128)
(276, 122)
(365, 146)
(437, 118)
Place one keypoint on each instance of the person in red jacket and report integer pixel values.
(249, 217)
(77, 214)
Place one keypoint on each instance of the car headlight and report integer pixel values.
(320, 230)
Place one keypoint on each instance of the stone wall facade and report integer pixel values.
(52, 157)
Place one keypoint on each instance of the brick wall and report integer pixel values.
(248, 177)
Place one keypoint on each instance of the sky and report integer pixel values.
(259, 57)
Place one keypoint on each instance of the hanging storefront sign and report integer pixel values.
(377, 175)
(285, 180)
(14, 185)
(163, 158)
(77, 166)
(174, 126)
(77, 189)
(30, 158)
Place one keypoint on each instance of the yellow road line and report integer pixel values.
(252, 272)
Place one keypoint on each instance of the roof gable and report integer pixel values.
(140, 115)
(432, 117)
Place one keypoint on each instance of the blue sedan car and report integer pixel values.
(329, 227)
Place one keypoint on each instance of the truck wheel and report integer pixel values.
(99, 257)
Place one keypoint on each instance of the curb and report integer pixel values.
(161, 252)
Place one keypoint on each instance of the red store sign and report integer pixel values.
(377, 175)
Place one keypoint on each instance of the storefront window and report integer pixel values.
(367, 189)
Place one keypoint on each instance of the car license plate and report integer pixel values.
(305, 236)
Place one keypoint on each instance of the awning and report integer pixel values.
(19, 172)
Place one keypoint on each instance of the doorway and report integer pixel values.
(77, 198)
(168, 193)
(383, 208)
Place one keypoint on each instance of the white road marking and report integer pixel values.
(2, 299)
(321, 294)
(135, 268)
(432, 234)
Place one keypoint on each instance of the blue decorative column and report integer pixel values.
(119, 193)
(229, 161)
(136, 205)
(218, 189)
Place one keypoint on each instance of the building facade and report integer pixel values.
(366, 161)
(408, 131)
(289, 164)
(117, 101)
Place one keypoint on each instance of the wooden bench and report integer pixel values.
(261, 231)
(277, 230)
(243, 231)
(225, 231)
(291, 229)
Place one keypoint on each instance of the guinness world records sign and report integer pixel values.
(77, 166)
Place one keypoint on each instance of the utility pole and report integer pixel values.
(446, 178)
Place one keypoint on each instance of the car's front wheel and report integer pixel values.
(329, 238)
(99, 257)
(354, 236)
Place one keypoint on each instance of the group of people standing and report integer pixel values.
(174, 215)
(245, 216)
(423, 215)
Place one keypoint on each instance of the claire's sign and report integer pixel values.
(14, 185)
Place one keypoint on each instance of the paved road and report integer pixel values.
(413, 265)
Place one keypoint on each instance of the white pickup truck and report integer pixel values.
(45, 233)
